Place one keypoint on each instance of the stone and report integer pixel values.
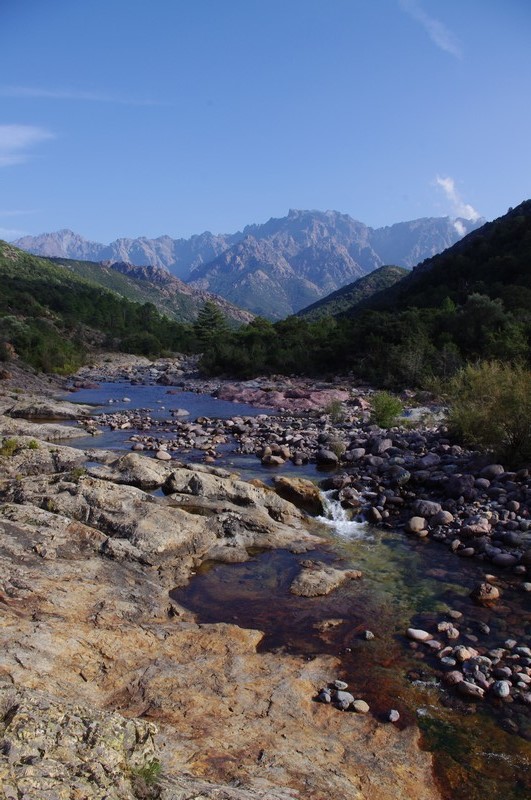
(343, 699)
(468, 689)
(504, 560)
(300, 491)
(416, 525)
(426, 508)
(418, 635)
(442, 517)
(341, 685)
(163, 455)
(485, 593)
(453, 678)
(393, 715)
(492, 471)
(360, 706)
(501, 688)
(317, 579)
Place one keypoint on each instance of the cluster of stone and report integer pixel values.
(336, 693)
(500, 673)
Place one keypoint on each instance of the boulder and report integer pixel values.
(301, 492)
(317, 579)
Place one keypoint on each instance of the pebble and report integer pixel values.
(393, 715)
(360, 706)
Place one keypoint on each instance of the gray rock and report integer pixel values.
(501, 688)
(426, 508)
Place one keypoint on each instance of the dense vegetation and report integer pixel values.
(471, 303)
(349, 296)
(48, 316)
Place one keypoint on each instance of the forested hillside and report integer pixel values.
(472, 302)
(49, 316)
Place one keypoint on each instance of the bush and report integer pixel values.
(385, 409)
(490, 409)
(335, 411)
(9, 448)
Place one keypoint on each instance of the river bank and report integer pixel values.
(122, 530)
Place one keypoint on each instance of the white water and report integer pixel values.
(337, 517)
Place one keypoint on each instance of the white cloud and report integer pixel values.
(16, 140)
(33, 92)
(440, 35)
(459, 207)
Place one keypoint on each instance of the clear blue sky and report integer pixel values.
(150, 117)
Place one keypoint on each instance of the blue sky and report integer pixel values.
(150, 117)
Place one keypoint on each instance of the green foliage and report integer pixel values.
(76, 473)
(490, 408)
(385, 409)
(49, 315)
(335, 411)
(9, 447)
(146, 780)
(210, 325)
(33, 444)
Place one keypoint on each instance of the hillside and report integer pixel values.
(343, 300)
(49, 316)
(154, 285)
(276, 268)
(471, 303)
(494, 260)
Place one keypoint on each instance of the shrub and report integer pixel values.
(146, 780)
(33, 444)
(335, 411)
(9, 448)
(385, 409)
(490, 409)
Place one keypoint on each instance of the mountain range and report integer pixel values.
(276, 268)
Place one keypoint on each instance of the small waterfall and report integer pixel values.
(338, 518)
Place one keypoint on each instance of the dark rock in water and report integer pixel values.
(485, 593)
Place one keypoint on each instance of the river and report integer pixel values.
(406, 582)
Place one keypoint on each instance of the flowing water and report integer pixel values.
(406, 582)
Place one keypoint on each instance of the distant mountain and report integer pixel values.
(178, 256)
(154, 285)
(276, 268)
(343, 300)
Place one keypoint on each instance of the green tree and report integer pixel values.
(210, 325)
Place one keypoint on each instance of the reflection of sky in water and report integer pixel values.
(159, 402)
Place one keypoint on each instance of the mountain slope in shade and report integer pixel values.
(346, 298)
(154, 285)
(494, 260)
(275, 268)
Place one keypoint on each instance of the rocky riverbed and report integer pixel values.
(92, 542)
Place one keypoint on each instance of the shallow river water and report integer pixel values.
(405, 583)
